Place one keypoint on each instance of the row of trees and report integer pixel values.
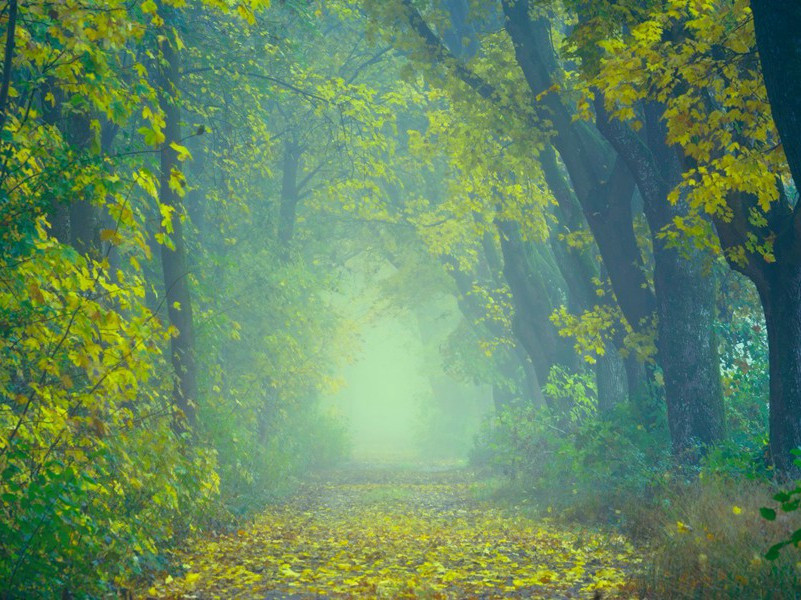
(164, 334)
(183, 183)
(645, 134)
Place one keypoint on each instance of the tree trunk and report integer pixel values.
(533, 308)
(84, 235)
(173, 260)
(643, 395)
(687, 353)
(684, 290)
(611, 380)
(781, 300)
(289, 199)
(778, 34)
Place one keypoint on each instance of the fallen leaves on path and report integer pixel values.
(400, 540)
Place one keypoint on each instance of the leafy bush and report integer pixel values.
(575, 462)
(262, 463)
(92, 477)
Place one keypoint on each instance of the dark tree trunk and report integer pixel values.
(684, 290)
(603, 192)
(604, 195)
(531, 324)
(781, 300)
(173, 260)
(778, 35)
(578, 269)
(583, 151)
(82, 213)
(687, 352)
(8, 60)
(73, 222)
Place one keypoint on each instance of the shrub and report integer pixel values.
(575, 462)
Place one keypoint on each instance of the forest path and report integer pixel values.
(378, 532)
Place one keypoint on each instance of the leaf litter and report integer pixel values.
(378, 533)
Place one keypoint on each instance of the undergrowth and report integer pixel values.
(700, 526)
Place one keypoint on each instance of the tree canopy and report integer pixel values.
(602, 193)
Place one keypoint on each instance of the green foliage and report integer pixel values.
(582, 465)
(264, 465)
(789, 501)
(307, 143)
(744, 363)
(571, 396)
(92, 477)
(98, 479)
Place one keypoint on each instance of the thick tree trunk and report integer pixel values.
(687, 352)
(684, 290)
(611, 380)
(604, 195)
(579, 269)
(173, 260)
(584, 153)
(778, 34)
(603, 192)
(531, 324)
(781, 300)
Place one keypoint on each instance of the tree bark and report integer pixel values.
(778, 35)
(687, 352)
(612, 381)
(533, 308)
(84, 235)
(173, 260)
(781, 300)
(686, 348)
(684, 290)
(8, 60)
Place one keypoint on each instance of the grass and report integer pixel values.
(708, 541)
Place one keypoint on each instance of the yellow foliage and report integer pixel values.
(400, 540)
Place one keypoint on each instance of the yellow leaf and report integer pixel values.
(191, 577)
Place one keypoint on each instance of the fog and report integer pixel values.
(400, 299)
(396, 398)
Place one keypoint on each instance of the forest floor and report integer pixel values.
(379, 532)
